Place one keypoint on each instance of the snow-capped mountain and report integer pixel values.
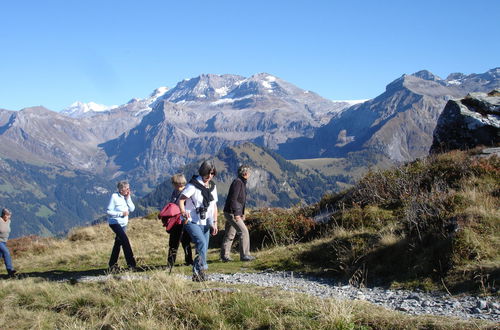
(80, 109)
(146, 140)
(199, 116)
(140, 106)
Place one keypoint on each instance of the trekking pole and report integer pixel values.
(179, 243)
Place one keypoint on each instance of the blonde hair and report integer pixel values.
(178, 179)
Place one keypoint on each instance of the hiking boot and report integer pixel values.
(225, 259)
(114, 269)
(247, 258)
(137, 269)
(12, 273)
(200, 276)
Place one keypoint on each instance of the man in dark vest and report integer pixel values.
(234, 212)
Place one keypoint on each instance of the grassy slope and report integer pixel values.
(434, 223)
(35, 301)
(369, 239)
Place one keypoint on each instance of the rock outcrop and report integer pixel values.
(469, 122)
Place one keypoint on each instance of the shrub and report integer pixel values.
(82, 234)
(29, 244)
(442, 212)
(356, 217)
(278, 226)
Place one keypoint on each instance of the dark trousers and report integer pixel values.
(121, 240)
(177, 235)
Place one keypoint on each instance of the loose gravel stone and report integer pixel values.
(416, 303)
(482, 304)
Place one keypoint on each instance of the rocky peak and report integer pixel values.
(455, 76)
(158, 92)
(426, 75)
(205, 87)
(469, 122)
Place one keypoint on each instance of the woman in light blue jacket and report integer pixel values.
(119, 208)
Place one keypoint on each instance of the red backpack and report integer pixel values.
(170, 216)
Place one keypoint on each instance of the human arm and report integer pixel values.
(130, 204)
(215, 229)
(234, 192)
(182, 207)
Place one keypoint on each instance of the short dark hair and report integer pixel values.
(5, 211)
(206, 168)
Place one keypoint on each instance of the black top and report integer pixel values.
(174, 198)
(236, 198)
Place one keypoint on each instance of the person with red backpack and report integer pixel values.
(177, 233)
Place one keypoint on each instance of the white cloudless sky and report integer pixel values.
(56, 52)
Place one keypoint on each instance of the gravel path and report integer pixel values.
(411, 302)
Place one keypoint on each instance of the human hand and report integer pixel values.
(237, 218)
(125, 213)
(214, 230)
(185, 215)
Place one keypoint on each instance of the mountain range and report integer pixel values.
(147, 140)
(398, 124)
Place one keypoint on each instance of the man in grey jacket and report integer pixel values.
(234, 212)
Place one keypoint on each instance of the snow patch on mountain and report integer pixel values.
(352, 102)
(454, 82)
(231, 100)
(81, 107)
(159, 92)
(222, 91)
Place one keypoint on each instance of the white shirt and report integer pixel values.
(117, 205)
(194, 196)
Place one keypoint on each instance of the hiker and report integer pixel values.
(4, 236)
(178, 234)
(234, 212)
(119, 208)
(198, 205)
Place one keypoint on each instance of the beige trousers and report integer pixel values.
(232, 229)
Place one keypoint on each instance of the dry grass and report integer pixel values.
(170, 302)
(90, 247)
(373, 241)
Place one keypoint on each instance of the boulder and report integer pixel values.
(469, 122)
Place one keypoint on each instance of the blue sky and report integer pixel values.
(53, 53)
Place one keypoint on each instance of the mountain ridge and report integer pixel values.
(147, 140)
